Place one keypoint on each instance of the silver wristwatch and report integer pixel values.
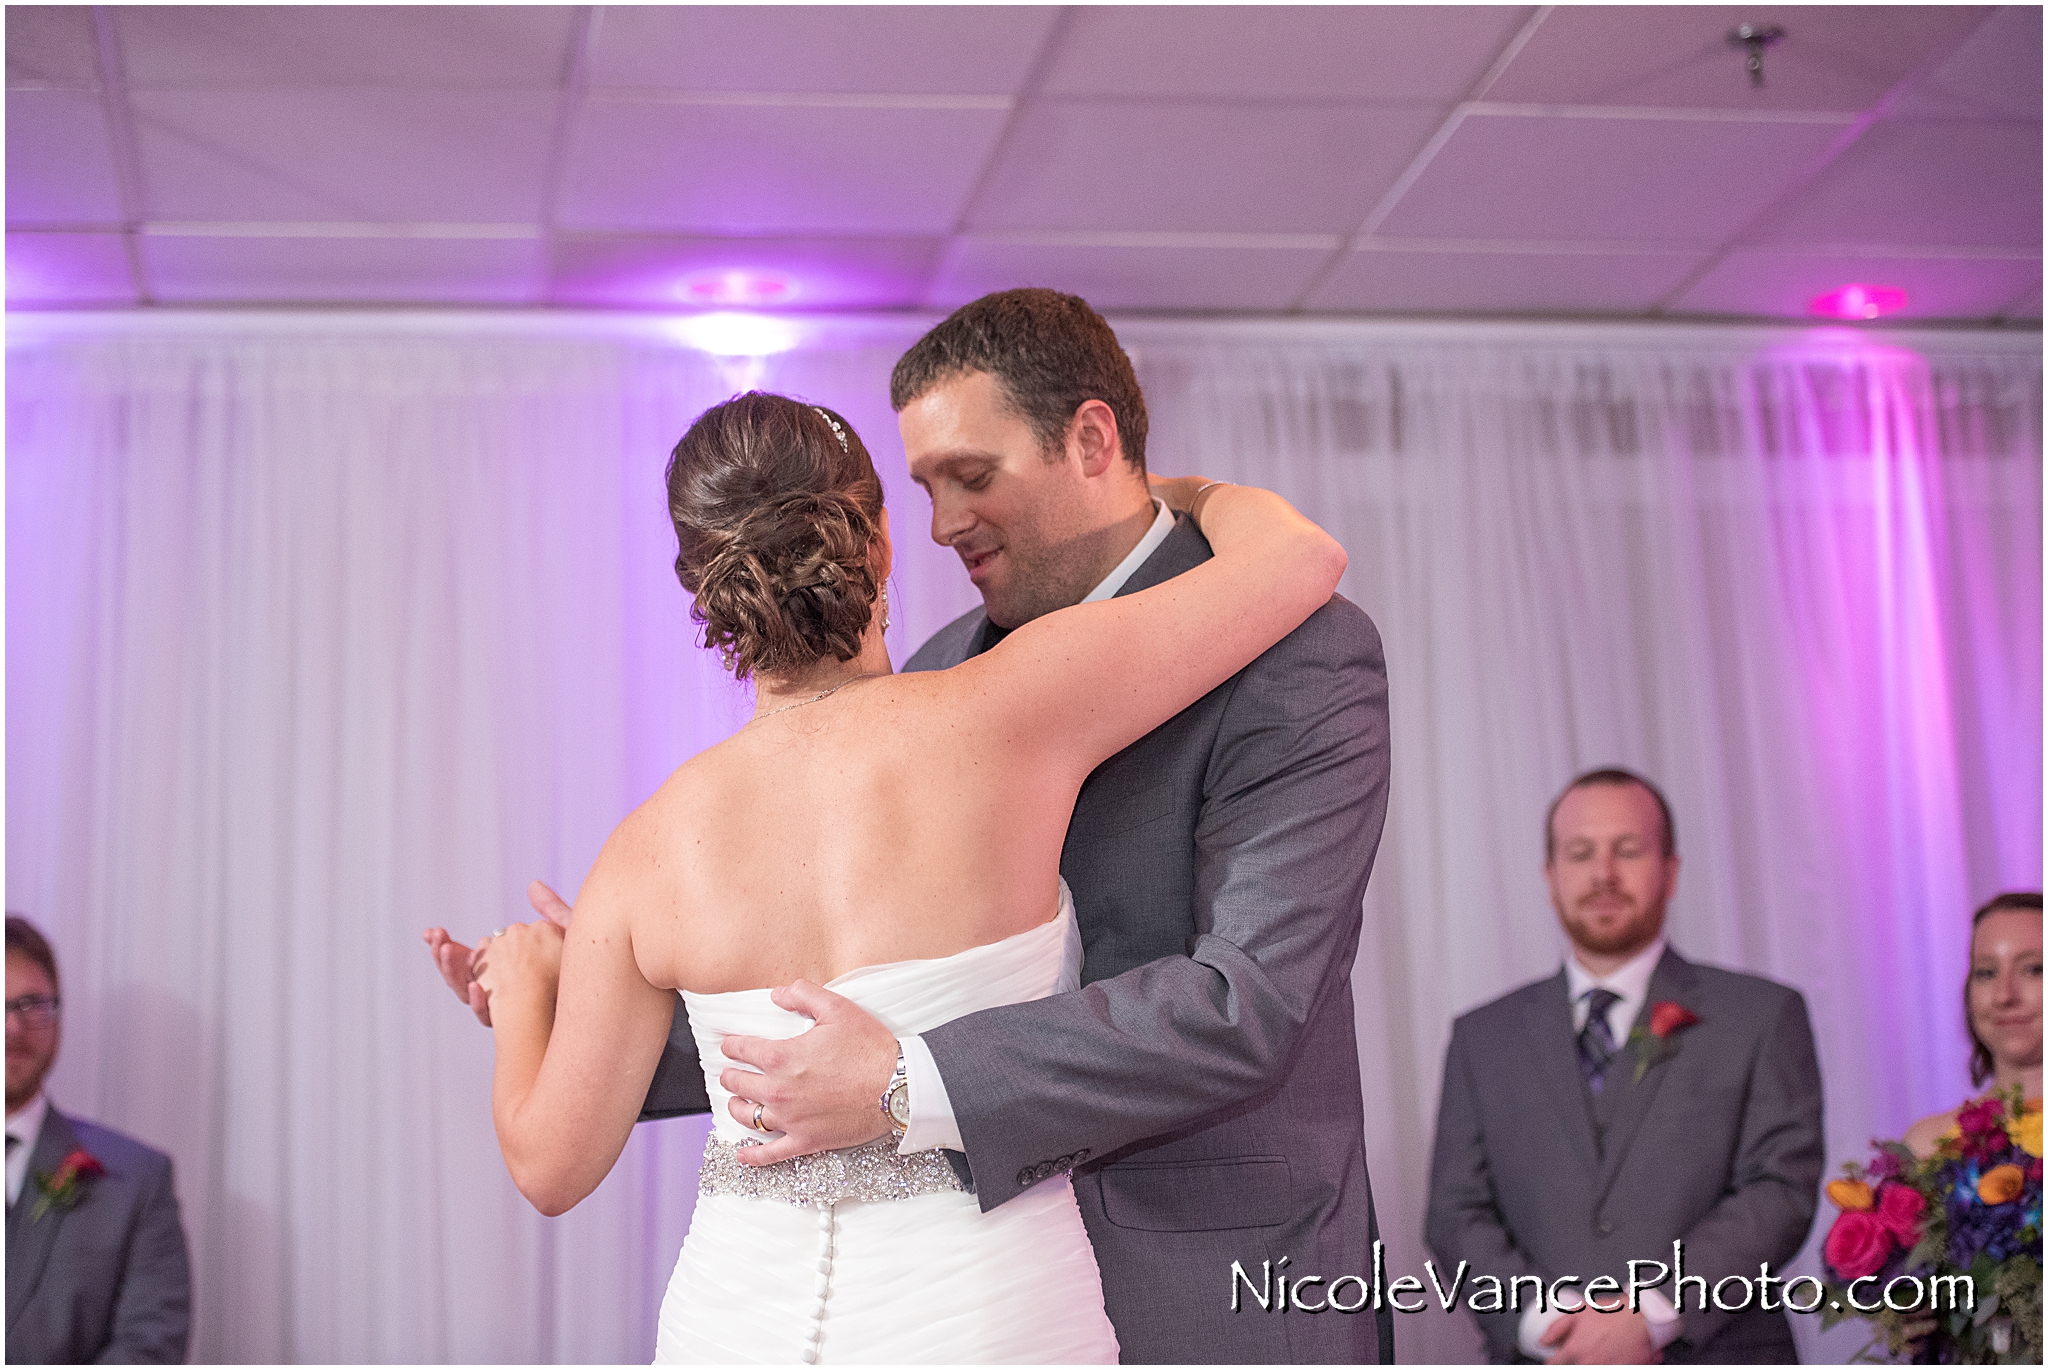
(896, 1098)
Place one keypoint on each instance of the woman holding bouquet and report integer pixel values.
(1957, 1204)
(2001, 1009)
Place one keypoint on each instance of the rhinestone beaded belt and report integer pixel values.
(872, 1173)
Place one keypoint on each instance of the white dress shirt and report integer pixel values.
(932, 1123)
(26, 1124)
(1631, 981)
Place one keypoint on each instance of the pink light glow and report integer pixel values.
(1858, 301)
(738, 287)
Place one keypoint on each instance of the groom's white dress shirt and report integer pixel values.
(23, 1129)
(932, 1123)
(1631, 981)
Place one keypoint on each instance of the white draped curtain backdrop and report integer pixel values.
(322, 629)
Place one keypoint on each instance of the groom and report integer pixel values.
(1202, 1087)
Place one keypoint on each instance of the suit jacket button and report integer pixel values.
(1024, 1177)
(1081, 1155)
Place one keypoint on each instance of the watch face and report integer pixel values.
(899, 1104)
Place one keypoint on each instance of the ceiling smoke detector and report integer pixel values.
(1755, 37)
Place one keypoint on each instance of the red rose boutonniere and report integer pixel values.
(63, 1189)
(1656, 1044)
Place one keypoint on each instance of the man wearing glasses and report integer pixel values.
(96, 1266)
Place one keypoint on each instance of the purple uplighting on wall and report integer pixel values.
(1858, 300)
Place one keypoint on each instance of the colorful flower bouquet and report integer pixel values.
(1944, 1254)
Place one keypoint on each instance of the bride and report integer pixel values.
(896, 837)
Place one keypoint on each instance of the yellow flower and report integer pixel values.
(1851, 1196)
(2001, 1184)
(2025, 1130)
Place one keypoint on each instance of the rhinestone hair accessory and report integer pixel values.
(837, 431)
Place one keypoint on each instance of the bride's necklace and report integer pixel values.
(866, 675)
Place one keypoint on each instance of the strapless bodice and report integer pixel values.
(907, 996)
(864, 1255)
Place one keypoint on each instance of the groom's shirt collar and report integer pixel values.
(1162, 524)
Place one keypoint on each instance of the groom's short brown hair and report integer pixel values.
(1050, 352)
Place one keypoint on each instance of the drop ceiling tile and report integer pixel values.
(1780, 284)
(813, 273)
(1994, 74)
(1923, 184)
(224, 270)
(1832, 57)
(930, 49)
(773, 169)
(1109, 277)
(1198, 167)
(67, 269)
(52, 45)
(1380, 54)
(60, 165)
(1649, 181)
(344, 155)
(1482, 282)
(273, 46)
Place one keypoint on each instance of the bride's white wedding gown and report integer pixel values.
(862, 1255)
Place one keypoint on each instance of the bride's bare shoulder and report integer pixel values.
(1923, 1136)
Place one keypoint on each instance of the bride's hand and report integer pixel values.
(1178, 491)
(524, 957)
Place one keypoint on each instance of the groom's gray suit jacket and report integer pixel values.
(1203, 1085)
(1717, 1141)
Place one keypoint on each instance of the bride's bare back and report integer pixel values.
(877, 825)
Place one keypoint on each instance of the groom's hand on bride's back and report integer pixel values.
(455, 960)
(822, 1090)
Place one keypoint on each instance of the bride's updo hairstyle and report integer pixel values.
(777, 508)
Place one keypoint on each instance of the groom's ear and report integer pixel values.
(1092, 435)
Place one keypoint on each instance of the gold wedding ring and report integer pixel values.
(758, 1110)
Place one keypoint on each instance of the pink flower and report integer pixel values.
(1858, 1244)
(1986, 1115)
(1899, 1208)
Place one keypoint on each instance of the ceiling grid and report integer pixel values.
(1492, 161)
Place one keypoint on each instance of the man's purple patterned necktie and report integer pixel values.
(1596, 1039)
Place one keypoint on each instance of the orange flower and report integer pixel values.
(2001, 1184)
(1851, 1196)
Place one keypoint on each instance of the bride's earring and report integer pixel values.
(885, 608)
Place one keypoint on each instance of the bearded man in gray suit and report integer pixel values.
(1202, 1086)
(1629, 1101)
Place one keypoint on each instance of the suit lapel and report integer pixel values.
(30, 1240)
(1673, 980)
(1548, 1034)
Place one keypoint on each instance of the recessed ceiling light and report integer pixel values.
(1858, 300)
(738, 286)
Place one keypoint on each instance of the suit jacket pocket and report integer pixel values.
(1197, 1196)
